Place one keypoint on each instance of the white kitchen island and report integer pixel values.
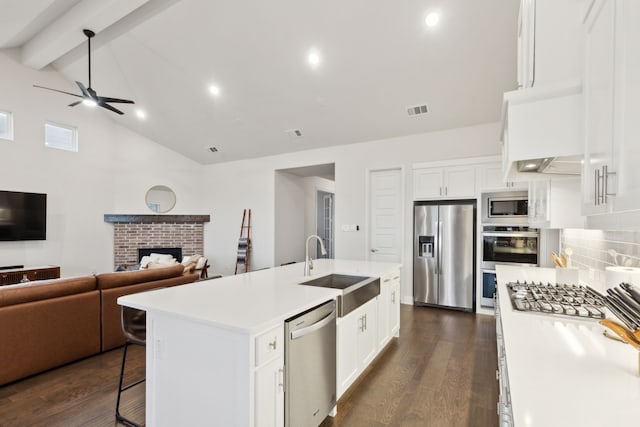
(215, 348)
(563, 371)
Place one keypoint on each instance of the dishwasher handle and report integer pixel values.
(312, 328)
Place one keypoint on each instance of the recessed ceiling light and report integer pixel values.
(314, 58)
(432, 19)
(215, 90)
(89, 102)
(141, 114)
(531, 166)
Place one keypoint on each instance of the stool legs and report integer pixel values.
(119, 417)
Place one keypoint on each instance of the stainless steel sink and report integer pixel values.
(356, 290)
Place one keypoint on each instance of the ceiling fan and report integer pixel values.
(89, 96)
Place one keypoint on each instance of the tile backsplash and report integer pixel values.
(594, 249)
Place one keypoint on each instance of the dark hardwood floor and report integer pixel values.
(440, 372)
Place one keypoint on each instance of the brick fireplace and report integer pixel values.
(131, 232)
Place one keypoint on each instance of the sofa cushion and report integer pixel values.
(45, 289)
(126, 278)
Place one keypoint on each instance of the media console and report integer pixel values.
(15, 275)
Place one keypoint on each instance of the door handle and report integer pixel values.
(318, 325)
(374, 250)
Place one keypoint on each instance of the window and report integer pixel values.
(6, 125)
(59, 136)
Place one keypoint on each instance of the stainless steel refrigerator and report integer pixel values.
(444, 254)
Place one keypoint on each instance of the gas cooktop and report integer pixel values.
(559, 299)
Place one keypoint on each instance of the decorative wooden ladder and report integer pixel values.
(244, 242)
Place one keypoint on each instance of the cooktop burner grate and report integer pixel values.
(559, 299)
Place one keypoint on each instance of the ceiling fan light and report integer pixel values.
(89, 102)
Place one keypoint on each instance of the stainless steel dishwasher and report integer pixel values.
(310, 366)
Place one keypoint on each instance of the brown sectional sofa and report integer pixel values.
(49, 323)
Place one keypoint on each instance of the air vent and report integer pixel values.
(417, 110)
(294, 133)
(213, 149)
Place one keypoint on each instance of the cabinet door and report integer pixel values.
(347, 358)
(526, 37)
(367, 337)
(460, 182)
(539, 204)
(627, 144)
(490, 177)
(383, 312)
(269, 397)
(599, 102)
(427, 183)
(394, 306)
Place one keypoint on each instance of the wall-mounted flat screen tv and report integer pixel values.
(23, 216)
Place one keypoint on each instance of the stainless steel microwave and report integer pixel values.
(506, 207)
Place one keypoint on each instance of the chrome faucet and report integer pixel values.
(308, 263)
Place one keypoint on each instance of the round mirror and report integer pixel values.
(160, 199)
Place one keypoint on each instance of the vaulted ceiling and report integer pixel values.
(377, 58)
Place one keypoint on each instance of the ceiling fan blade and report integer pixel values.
(84, 90)
(109, 107)
(73, 104)
(56, 90)
(115, 100)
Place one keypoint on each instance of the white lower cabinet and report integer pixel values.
(364, 332)
(269, 378)
(505, 413)
(269, 399)
(357, 343)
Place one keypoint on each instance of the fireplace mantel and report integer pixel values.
(151, 219)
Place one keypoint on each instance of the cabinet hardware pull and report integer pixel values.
(597, 187)
(281, 378)
(445, 191)
(441, 191)
(605, 178)
(386, 280)
(273, 344)
(396, 277)
(365, 322)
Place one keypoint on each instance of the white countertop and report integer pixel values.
(251, 302)
(564, 372)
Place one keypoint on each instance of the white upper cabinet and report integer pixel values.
(549, 40)
(490, 177)
(555, 203)
(611, 176)
(444, 182)
(598, 88)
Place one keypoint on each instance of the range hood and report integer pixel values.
(569, 165)
(542, 132)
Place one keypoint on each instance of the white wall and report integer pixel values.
(289, 218)
(250, 183)
(110, 173)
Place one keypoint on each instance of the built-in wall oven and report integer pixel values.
(504, 244)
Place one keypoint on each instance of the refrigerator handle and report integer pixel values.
(439, 260)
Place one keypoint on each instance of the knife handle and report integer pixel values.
(622, 331)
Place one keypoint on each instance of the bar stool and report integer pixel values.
(134, 327)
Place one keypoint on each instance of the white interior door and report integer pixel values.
(385, 215)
